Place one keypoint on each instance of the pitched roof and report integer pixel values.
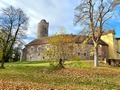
(101, 42)
(38, 41)
(77, 39)
(118, 38)
(109, 31)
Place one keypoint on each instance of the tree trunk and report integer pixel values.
(96, 55)
(61, 63)
(2, 63)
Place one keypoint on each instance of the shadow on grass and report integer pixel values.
(31, 62)
(32, 68)
(2, 67)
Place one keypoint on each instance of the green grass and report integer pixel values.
(76, 75)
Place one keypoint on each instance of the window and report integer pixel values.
(38, 54)
(99, 55)
(84, 54)
(43, 57)
(47, 46)
(39, 48)
(78, 53)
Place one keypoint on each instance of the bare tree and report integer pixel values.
(93, 14)
(13, 22)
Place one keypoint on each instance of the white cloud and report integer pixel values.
(57, 13)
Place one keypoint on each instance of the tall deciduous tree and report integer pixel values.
(93, 14)
(13, 22)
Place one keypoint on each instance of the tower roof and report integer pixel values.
(43, 20)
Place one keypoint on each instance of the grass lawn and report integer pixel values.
(77, 75)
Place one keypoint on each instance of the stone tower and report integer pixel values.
(42, 29)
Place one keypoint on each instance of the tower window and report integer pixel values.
(47, 46)
(45, 28)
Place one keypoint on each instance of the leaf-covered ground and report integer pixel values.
(77, 75)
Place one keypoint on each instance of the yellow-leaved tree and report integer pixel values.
(61, 47)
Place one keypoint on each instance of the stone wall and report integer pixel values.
(85, 52)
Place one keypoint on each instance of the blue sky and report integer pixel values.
(56, 12)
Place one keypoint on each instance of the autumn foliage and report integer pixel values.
(77, 75)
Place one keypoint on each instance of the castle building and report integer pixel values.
(109, 46)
